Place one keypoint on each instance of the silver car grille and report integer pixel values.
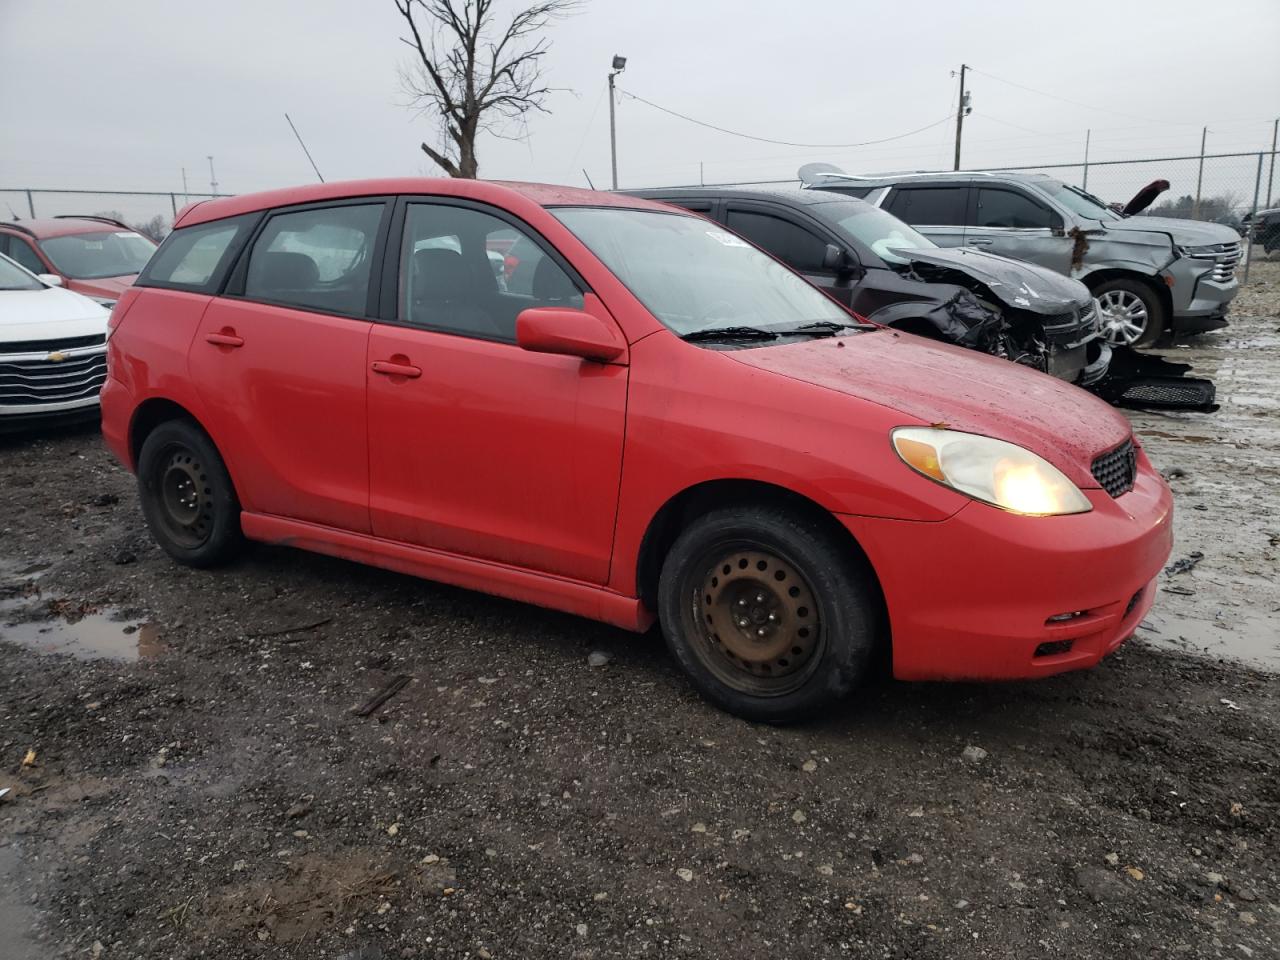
(50, 375)
(1225, 256)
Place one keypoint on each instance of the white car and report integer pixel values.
(53, 350)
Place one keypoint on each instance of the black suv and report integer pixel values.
(887, 272)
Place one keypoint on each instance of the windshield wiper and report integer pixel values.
(825, 328)
(730, 333)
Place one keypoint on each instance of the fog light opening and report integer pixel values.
(1054, 648)
(1064, 617)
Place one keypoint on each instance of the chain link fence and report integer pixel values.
(149, 212)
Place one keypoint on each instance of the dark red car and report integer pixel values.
(96, 256)
(665, 423)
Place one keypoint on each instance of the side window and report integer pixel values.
(190, 256)
(1009, 208)
(21, 252)
(468, 272)
(792, 244)
(929, 206)
(317, 259)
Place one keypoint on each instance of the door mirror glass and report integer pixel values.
(574, 333)
(838, 260)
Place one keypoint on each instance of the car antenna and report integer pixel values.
(304, 149)
(588, 176)
(16, 218)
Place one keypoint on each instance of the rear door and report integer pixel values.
(1007, 220)
(935, 209)
(279, 361)
(477, 447)
(798, 242)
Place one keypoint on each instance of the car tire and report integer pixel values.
(772, 616)
(188, 500)
(1120, 296)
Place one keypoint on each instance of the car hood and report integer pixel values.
(1024, 286)
(50, 313)
(1185, 232)
(109, 288)
(939, 384)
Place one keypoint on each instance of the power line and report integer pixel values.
(780, 143)
(1054, 96)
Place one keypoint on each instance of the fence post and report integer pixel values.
(173, 202)
(1248, 250)
(1085, 185)
(1275, 128)
(1195, 209)
(31, 205)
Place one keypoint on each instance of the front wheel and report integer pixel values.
(772, 616)
(187, 497)
(1130, 313)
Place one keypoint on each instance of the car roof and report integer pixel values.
(43, 229)
(499, 192)
(791, 195)
(837, 180)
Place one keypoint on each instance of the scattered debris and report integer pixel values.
(974, 754)
(1181, 591)
(685, 874)
(393, 686)
(30, 759)
(284, 631)
(5, 792)
(598, 658)
(1186, 563)
(1229, 704)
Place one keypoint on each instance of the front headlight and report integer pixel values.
(993, 471)
(1204, 252)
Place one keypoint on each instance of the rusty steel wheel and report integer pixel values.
(771, 609)
(759, 623)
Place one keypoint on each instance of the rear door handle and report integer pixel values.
(225, 338)
(981, 241)
(390, 368)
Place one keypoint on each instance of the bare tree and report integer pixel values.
(474, 76)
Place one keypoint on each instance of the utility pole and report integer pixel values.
(1085, 185)
(962, 111)
(619, 64)
(213, 180)
(1271, 175)
(1195, 209)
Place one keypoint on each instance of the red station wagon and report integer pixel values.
(660, 422)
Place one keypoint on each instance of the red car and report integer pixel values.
(666, 424)
(96, 256)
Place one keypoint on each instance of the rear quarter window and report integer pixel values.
(196, 258)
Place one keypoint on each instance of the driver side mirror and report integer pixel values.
(574, 333)
(49, 279)
(838, 261)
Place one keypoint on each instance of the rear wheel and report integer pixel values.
(772, 616)
(1129, 312)
(187, 498)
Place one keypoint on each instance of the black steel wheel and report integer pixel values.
(771, 615)
(187, 497)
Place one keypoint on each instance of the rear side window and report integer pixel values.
(930, 206)
(316, 259)
(792, 244)
(1009, 208)
(194, 258)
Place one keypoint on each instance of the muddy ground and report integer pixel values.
(207, 792)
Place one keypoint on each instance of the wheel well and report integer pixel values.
(149, 415)
(1099, 277)
(686, 506)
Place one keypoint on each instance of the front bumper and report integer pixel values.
(975, 597)
(1199, 301)
(26, 418)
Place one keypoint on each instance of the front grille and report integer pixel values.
(1083, 318)
(1115, 471)
(49, 346)
(1225, 256)
(25, 383)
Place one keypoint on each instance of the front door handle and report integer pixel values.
(226, 337)
(398, 367)
(981, 241)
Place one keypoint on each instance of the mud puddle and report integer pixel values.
(103, 635)
(1246, 638)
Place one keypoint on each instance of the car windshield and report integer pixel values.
(1077, 201)
(882, 232)
(695, 276)
(13, 277)
(106, 253)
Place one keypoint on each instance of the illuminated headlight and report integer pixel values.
(993, 471)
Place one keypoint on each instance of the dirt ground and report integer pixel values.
(187, 778)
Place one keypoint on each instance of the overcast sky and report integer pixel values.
(124, 94)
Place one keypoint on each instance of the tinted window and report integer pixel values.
(468, 272)
(190, 256)
(879, 230)
(318, 259)
(929, 206)
(790, 243)
(1008, 208)
(856, 192)
(21, 252)
(102, 253)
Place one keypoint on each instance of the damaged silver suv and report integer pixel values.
(1148, 275)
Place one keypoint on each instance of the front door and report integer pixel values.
(280, 364)
(477, 447)
(1005, 220)
(800, 245)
